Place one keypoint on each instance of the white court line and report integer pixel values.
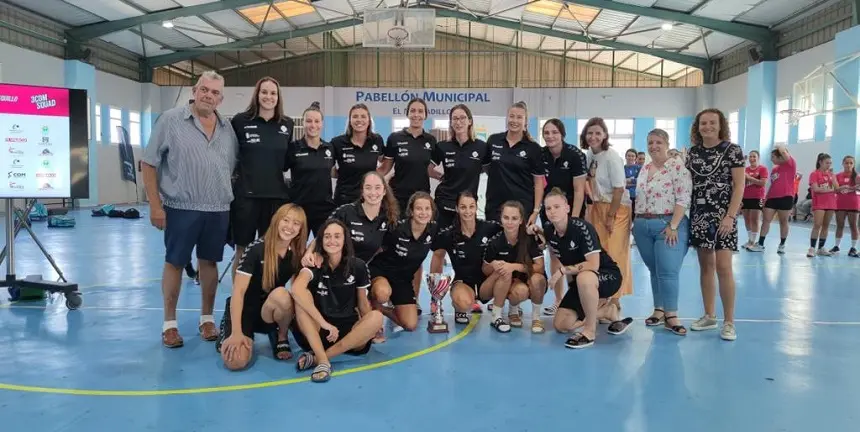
(448, 315)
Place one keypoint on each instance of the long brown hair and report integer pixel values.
(523, 238)
(253, 109)
(470, 133)
(522, 105)
(347, 254)
(359, 106)
(696, 137)
(389, 202)
(853, 170)
(298, 245)
(417, 196)
(594, 121)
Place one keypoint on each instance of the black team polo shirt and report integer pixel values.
(411, 157)
(310, 174)
(262, 149)
(353, 162)
(511, 173)
(463, 165)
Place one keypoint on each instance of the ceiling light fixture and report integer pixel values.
(666, 26)
(167, 24)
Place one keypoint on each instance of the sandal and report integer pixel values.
(305, 361)
(620, 327)
(579, 341)
(655, 320)
(677, 329)
(280, 347)
(322, 373)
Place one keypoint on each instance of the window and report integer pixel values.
(443, 124)
(734, 125)
(134, 133)
(806, 128)
(620, 132)
(828, 118)
(780, 127)
(399, 123)
(115, 122)
(668, 125)
(98, 123)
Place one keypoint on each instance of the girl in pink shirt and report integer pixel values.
(756, 178)
(780, 198)
(847, 204)
(823, 184)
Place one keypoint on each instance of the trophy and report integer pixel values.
(439, 284)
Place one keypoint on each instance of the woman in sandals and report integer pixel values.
(404, 248)
(661, 228)
(256, 304)
(514, 269)
(592, 276)
(465, 242)
(333, 314)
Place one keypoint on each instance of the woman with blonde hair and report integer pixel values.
(611, 212)
(259, 304)
(661, 228)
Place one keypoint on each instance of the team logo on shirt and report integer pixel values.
(350, 279)
(484, 240)
(322, 290)
(382, 226)
(428, 239)
(284, 129)
(564, 165)
(328, 153)
(522, 153)
(427, 145)
(374, 148)
(572, 245)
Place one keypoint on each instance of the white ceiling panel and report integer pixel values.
(168, 37)
(645, 23)
(725, 10)
(200, 31)
(305, 20)
(680, 35)
(107, 9)
(191, 2)
(644, 38)
(646, 3)
(698, 49)
(155, 5)
(773, 12)
(59, 11)
(233, 22)
(276, 25)
(480, 6)
(610, 23)
(678, 5)
(511, 9)
(361, 5)
(130, 41)
(334, 9)
(719, 42)
(538, 19)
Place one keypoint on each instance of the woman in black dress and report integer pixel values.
(717, 168)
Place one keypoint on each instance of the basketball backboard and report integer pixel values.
(817, 92)
(399, 28)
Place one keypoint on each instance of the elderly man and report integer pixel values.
(187, 166)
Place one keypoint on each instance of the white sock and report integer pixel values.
(514, 310)
(169, 325)
(838, 241)
(497, 312)
(536, 307)
(753, 236)
(853, 244)
(750, 236)
(207, 318)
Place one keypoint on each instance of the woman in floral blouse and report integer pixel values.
(661, 228)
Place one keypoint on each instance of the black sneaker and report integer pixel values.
(834, 250)
(853, 253)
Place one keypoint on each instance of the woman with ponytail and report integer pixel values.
(515, 168)
(309, 161)
(847, 205)
(824, 186)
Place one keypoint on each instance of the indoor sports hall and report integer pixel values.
(115, 198)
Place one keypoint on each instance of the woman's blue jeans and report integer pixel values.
(663, 261)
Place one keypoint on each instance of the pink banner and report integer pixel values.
(29, 100)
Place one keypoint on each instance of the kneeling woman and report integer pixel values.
(593, 277)
(514, 267)
(404, 248)
(256, 305)
(333, 314)
(465, 242)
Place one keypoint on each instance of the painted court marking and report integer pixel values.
(277, 383)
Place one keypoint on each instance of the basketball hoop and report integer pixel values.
(398, 34)
(794, 115)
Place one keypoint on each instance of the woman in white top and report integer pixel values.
(611, 212)
(661, 228)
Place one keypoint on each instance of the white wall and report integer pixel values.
(792, 69)
(731, 94)
(22, 66)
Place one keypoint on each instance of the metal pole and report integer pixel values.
(10, 238)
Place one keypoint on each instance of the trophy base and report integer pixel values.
(434, 327)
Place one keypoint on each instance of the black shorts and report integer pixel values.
(251, 217)
(344, 326)
(402, 292)
(781, 203)
(190, 229)
(252, 320)
(751, 204)
(444, 216)
(474, 286)
(608, 283)
(317, 215)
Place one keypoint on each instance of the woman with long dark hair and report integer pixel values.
(259, 304)
(333, 315)
(847, 205)
(464, 242)
(356, 152)
(264, 133)
(717, 168)
(753, 200)
(514, 270)
(823, 183)
(408, 152)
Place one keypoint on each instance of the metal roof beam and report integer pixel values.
(697, 62)
(92, 31)
(166, 59)
(759, 34)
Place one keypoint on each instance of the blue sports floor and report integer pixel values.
(794, 367)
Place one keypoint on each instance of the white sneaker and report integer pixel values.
(728, 332)
(704, 323)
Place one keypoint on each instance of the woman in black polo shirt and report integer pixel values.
(259, 190)
(592, 274)
(404, 248)
(257, 305)
(328, 323)
(514, 267)
(515, 167)
(464, 241)
(368, 218)
(356, 152)
(566, 170)
(408, 151)
(462, 159)
(309, 161)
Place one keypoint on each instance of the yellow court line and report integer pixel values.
(84, 392)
